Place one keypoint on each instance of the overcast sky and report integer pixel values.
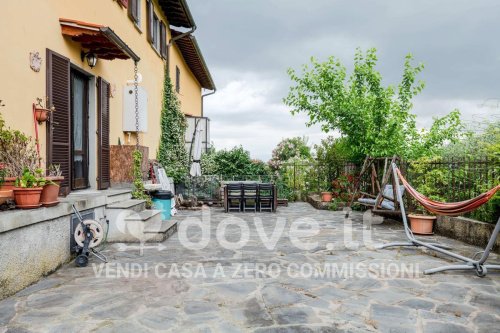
(249, 44)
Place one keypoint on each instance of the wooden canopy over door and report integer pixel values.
(59, 127)
(103, 149)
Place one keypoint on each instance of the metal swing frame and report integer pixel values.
(478, 265)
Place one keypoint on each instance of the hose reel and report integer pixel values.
(88, 235)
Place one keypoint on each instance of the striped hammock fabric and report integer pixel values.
(448, 208)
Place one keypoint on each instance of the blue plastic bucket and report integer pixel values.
(162, 200)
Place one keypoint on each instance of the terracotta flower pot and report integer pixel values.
(421, 224)
(27, 198)
(41, 115)
(49, 195)
(8, 185)
(55, 179)
(5, 196)
(326, 196)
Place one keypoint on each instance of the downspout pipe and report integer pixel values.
(203, 97)
(172, 40)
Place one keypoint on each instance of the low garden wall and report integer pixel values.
(315, 200)
(466, 230)
(34, 243)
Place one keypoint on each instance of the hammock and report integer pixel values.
(443, 208)
(448, 208)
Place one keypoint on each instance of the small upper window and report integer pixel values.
(156, 33)
(134, 11)
(177, 79)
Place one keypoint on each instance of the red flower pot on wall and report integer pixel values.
(8, 186)
(27, 198)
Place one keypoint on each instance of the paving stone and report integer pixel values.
(195, 307)
(417, 303)
(295, 315)
(440, 327)
(486, 322)
(492, 302)
(458, 310)
(7, 311)
(392, 319)
(159, 319)
(256, 314)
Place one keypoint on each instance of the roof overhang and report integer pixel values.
(97, 39)
(194, 59)
(177, 13)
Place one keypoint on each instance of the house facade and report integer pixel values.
(84, 59)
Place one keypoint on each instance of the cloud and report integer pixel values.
(243, 113)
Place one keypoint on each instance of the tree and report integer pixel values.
(232, 162)
(374, 119)
(172, 154)
(290, 148)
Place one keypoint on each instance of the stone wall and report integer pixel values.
(35, 243)
(466, 230)
(122, 162)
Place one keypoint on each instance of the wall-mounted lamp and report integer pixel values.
(91, 58)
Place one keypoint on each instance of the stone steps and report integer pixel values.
(131, 222)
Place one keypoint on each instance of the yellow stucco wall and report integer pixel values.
(33, 26)
(190, 89)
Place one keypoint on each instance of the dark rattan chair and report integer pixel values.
(249, 194)
(234, 195)
(266, 197)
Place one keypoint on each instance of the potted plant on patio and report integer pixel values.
(50, 190)
(326, 195)
(421, 223)
(28, 189)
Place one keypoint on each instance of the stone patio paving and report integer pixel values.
(227, 295)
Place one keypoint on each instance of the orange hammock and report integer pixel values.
(448, 208)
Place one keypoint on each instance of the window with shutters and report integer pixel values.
(177, 79)
(134, 11)
(156, 33)
(156, 30)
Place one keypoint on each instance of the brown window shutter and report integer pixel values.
(103, 162)
(133, 10)
(149, 21)
(124, 3)
(163, 40)
(59, 129)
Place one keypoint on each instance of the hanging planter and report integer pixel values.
(41, 113)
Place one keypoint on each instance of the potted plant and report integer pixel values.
(4, 194)
(28, 189)
(326, 195)
(41, 111)
(50, 190)
(17, 151)
(421, 223)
